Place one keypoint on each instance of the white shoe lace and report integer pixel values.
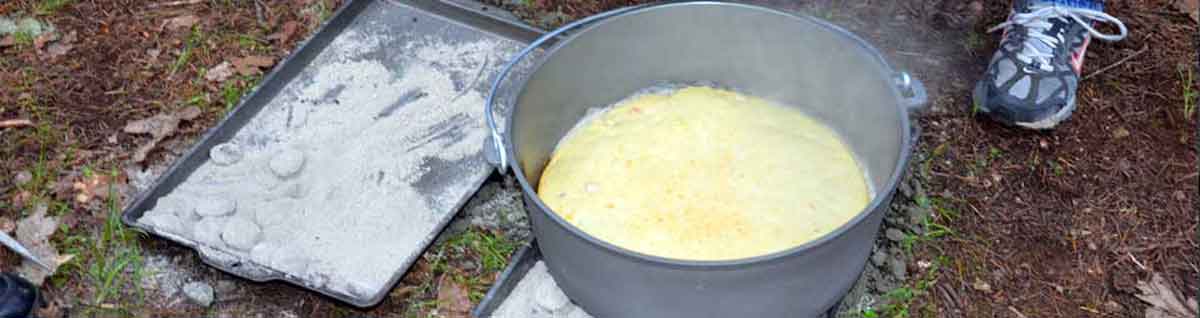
(1038, 20)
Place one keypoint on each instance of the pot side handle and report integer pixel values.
(914, 99)
(495, 150)
(912, 93)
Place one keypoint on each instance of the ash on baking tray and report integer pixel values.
(344, 159)
(538, 296)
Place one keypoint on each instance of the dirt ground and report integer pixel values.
(1066, 223)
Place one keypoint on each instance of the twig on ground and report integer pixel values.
(15, 123)
(1015, 311)
(174, 3)
(1119, 62)
(1188, 176)
(258, 13)
(1152, 247)
(1135, 261)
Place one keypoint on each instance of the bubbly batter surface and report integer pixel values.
(704, 174)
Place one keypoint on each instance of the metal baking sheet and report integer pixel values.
(518, 266)
(401, 22)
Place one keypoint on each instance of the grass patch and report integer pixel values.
(232, 90)
(252, 43)
(23, 38)
(1056, 168)
(973, 41)
(493, 250)
(47, 7)
(1187, 78)
(488, 249)
(899, 301)
(114, 258)
(927, 166)
(194, 39)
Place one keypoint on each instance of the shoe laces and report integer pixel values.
(1040, 47)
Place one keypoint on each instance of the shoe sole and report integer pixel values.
(1047, 123)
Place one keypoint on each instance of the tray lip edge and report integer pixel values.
(342, 18)
(518, 267)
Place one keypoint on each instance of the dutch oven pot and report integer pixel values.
(796, 60)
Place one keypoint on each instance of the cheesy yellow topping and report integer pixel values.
(704, 174)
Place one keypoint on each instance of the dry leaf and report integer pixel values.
(1164, 301)
(53, 308)
(219, 73)
(160, 127)
(15, 123)
(22, 177)
(34, 233)
(181, 22)
(251, 65)
(41, 40)
(96, 186)
(286, 32)
(452, 298)
(57, 49)
(71, 37)
(7, 225)
(1120, 133)
(8, 41)
(982, 286)
(1191, 7)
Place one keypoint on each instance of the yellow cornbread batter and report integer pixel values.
(704, 174)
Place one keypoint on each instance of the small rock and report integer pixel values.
(918, 189)
(32, 27)
(898, 269)
(287, 163)
(199, 293)
(906, 190)
(181, 22)
(1113, 307)
(878, 258)
(7, 25)
(893, 221)
(225, 287)
(894, 235)
(982, 286)
(914, 211)
(22, 177)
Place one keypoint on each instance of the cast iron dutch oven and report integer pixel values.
(796, 60)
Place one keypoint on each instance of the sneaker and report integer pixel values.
(17, 296)
(1032, 78)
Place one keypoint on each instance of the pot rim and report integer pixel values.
(878, 200)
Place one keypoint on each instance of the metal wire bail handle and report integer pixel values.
(495, 150)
